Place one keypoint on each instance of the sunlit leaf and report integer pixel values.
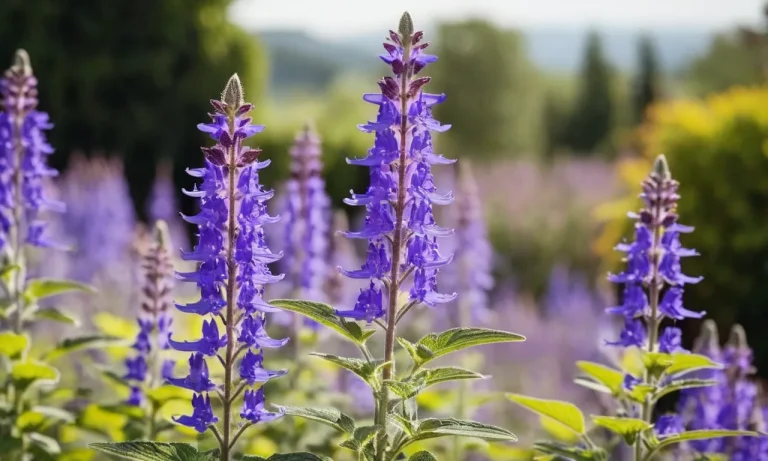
(12, 344)
(70, 345)
(25, 374)
(326, 316)
(328, 416)
(151, 451)
(436, 345)
(628, 428)
(43, 288)
(563, 412)
(56, 315)
(607, 376)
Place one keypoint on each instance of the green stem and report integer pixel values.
(225, 440)
(653, 326)
(394, 280)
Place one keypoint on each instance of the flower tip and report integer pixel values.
(405, 28)
(233, 95)
(738, 337)
(162, 234)
(661, 167)
(22, 63)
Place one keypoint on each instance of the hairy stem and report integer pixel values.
(653, 322)
(229, 358)
(397, 242)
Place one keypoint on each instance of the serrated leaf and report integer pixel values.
(402, 423)
(70, 345)
(326, 316)
(361, 437)
(422, 456)
(151, 451)
(696, 435)
(680, 385)
(328, 416)
(436, 345)
(25, 374)
(565, 413)
(13, 345)
(628, 428)
(446, 427)
(432, 376)
(56, 315)
(362, 368)
(285, 457)
(566, 451)
(607, 376)
(47, 444)
(44, 288)
(404, 390)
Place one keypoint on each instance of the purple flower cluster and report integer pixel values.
(307, 217)
(652, 281)
(23, 154)
(154, 321)
(402, 189)
(233, 256)
(732, 403)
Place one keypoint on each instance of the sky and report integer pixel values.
(344, 18)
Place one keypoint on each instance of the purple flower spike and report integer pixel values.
(198, 379)
(252, 369)
(667, 426)
(208, 345)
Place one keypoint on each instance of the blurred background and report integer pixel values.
(559, 106)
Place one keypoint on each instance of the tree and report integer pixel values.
(491, 87)
(591, 121)
(130, 77)
(646, 86)
(729, 61)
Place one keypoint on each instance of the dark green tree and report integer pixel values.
(646, 85)
(592, 118)
(130, 77)
(731, 59)
(491, 87)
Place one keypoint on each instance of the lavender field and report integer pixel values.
(227, 239)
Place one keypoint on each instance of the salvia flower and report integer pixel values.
(146, 369)
(23, 158)
(400, 226)
(233, 258)
(307, 217)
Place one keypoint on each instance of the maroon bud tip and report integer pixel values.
(244, 109)
(215, 155)
(416, 86)
(417, 37)
(389, 88)
(248, 156)
(394, 37)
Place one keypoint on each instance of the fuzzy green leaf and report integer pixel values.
(56, 315)
(686, 363)
(12, 344)
(151, 451)
(565, 413)
(446, 427)
(696, 435)
(328, 416)
(326, 316)
(362, 368)
(682, 384)
(285, 457)
(44, 288)
(432, 376)
(25, 374)
(607, 376)
(361, 437)
(404, 390)
(435, 345)
(628, 428)
(83, 342)
(566, 451)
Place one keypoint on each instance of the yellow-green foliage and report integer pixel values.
(718, 149)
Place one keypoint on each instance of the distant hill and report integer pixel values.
(301, 60)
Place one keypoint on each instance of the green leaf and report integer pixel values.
(70, 345)
(696, 435)
(326, 316)
(404, 390)
(364, 369)
(402, 423)
(151, 451)
(432, 376)
(445, 427)
(166, 393)
(328, 416)
(682, 384)
(25, 374)
(47, 444)
(40, 417)
(56, 315)
(30, 421)
(12, 344)
(435, 345)
(44, 288)
(422, 456)
(285, 457)
(568, 452)
(607, 376)
(563, 412)
(361, 437)
(686, 363)
(628, 428)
